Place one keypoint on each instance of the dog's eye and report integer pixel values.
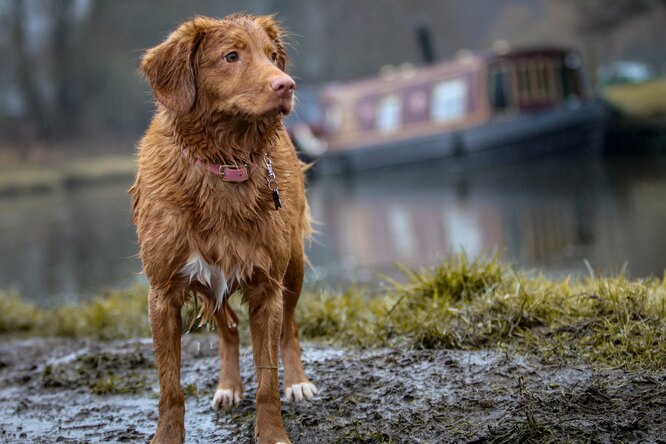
(232, 57)
(274, 57)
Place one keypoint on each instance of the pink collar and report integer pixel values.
(228, 173)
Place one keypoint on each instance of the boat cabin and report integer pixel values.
(469, 91)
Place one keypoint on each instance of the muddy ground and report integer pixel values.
(82, 391)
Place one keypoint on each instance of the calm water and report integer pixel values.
(551, 216)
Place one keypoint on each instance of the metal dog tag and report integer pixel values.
(273, 183)
(276, 199)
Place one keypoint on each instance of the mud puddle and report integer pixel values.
(80, 391)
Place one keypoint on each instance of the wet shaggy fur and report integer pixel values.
(222, 109)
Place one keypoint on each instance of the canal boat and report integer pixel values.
(479, 109)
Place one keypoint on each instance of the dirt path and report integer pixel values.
(77, 391)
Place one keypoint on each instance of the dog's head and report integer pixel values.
(234, 66)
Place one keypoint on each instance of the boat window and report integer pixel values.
(499, 88)
(333, 117)
(568, 83)
(524, 83)
(389, 113)
(551, 74)
(542, 80)
(449, 101)
(536, 80)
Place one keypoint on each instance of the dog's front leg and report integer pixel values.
(265, 306)
(166, 328)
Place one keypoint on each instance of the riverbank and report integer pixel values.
(645, 100)
(469, 351)
(38, 178)
(460, 304)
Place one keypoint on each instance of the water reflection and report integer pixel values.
(546, 215)
(66, 246)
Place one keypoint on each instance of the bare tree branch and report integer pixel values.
(25, 71)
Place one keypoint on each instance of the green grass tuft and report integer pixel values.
(17, 315)
(485, 304)
(461, 304)
(112, 315)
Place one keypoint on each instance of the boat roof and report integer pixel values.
(407, 75)
(527, 51)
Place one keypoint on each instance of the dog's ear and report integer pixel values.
(276, 34)
(170, 68)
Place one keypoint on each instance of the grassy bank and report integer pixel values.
(112, 315)
(18, 179)
(642, 100)
(462, 304)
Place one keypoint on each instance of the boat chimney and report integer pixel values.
(424, 39)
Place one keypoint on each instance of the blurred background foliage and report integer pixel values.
(69, 83)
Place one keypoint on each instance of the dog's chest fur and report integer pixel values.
(197, 269)
(230, 253)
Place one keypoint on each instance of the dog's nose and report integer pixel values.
(284, 86)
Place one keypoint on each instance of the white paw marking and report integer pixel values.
(225, 398)
(300, 392)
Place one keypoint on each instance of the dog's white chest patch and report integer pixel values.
(197, 269)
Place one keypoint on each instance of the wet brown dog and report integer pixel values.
(214, 167)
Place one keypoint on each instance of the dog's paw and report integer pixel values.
(300, 392)
(225, 398)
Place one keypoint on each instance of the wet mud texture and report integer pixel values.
(78, 391)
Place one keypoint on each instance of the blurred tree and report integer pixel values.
(65, 67)
(46, 65)
(25, 74)
(601, 16)
(622, 29)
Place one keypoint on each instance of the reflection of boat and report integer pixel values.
(478, 109)
(551, 215)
